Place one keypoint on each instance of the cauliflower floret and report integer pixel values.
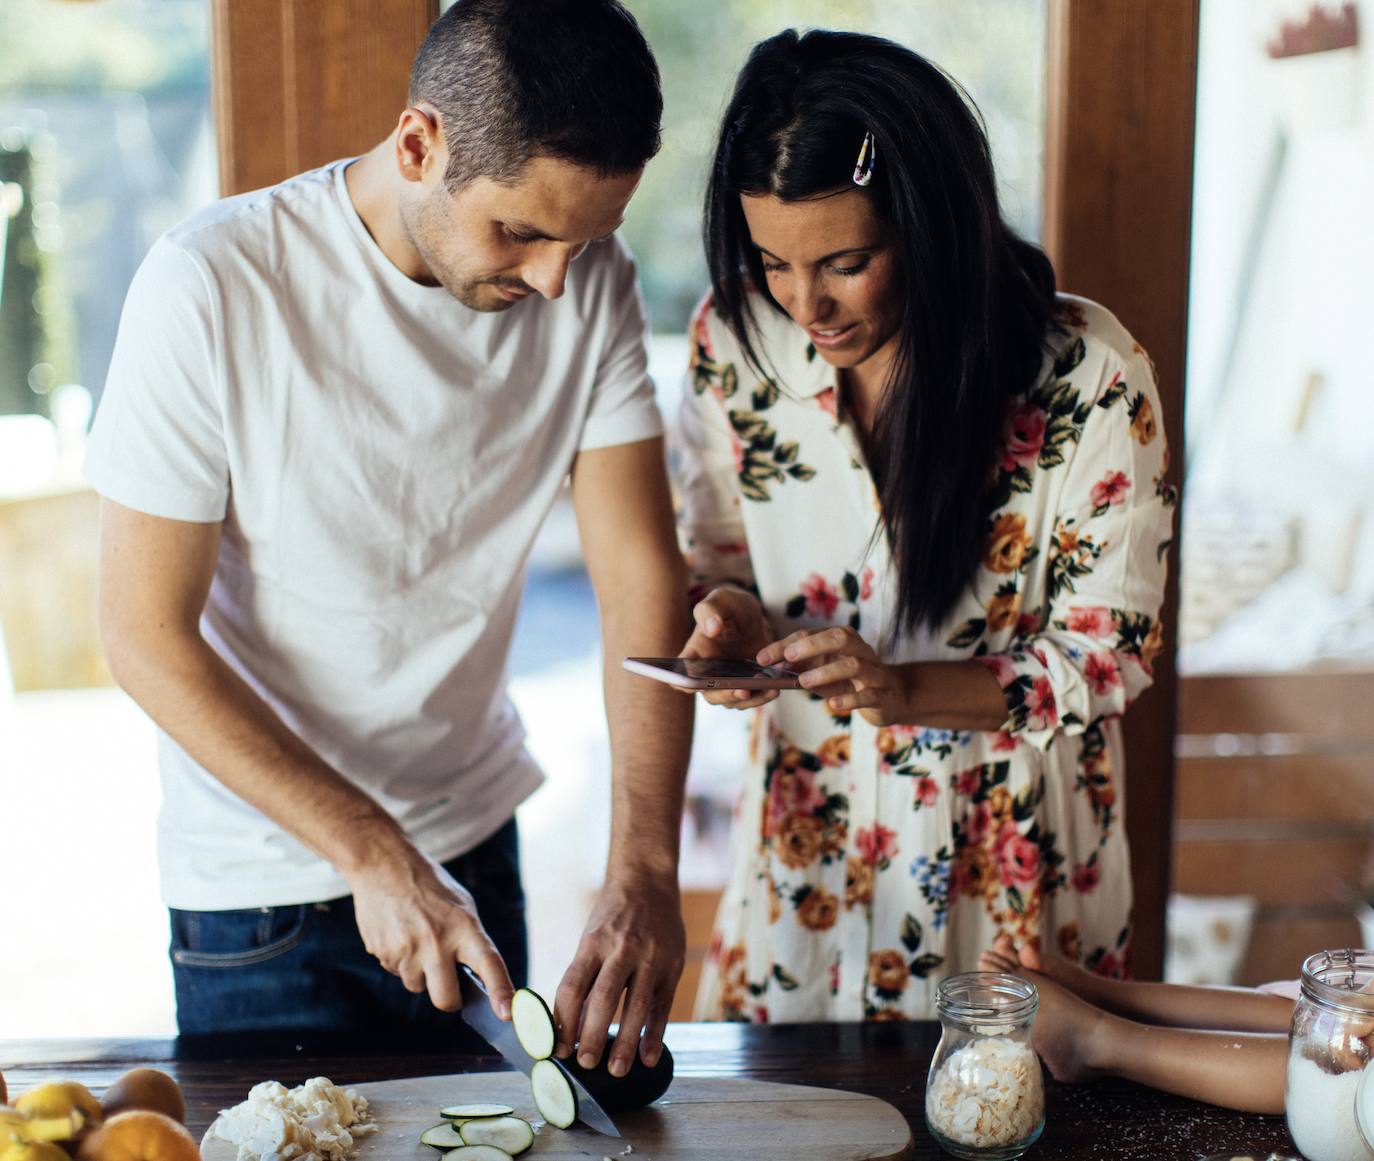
(316, 1121)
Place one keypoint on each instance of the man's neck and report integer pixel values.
(372, 183)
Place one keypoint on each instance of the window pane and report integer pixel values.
(105, 142)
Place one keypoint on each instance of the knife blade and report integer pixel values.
(500, 1034)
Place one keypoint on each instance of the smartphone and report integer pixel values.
(712, 673)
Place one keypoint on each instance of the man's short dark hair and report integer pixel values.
(515, 79)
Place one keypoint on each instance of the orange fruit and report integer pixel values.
(59, 1098)
(139, 1135)
(145, 1088)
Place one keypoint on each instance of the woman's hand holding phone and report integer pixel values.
(840, 666)
(730, 623)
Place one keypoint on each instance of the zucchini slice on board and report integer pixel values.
(511, 1134)
(533, 1023)
(445, 1136)
(472, 1112)
(476, 1153)
(553, 1094)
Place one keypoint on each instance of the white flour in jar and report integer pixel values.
(988, 1093)
(1321, 1112)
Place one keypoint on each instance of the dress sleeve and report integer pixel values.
(707, 456)
(1091, 656)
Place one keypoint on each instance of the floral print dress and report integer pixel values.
(871, 862)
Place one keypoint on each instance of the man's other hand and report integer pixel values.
(633, 949)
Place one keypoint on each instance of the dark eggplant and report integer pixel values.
(640, 1086)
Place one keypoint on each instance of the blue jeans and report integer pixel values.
(304, 969)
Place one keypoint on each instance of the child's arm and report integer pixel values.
(1166, 1005)
(1182, 1005)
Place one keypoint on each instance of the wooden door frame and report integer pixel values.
(298, 83)
(1118, 213)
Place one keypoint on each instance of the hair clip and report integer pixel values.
(868, 156)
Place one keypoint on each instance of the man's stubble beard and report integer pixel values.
(422, 224)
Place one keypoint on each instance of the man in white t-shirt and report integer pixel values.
(338, 412)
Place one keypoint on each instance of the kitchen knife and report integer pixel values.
(500, 1034)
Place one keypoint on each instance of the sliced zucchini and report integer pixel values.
(533, 1023)
(512, 1134)
(472, 1112)
(476, 1153)
(553, 1094)
(443, 1136)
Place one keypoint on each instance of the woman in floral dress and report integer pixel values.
(914, 472)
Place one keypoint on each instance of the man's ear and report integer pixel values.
(420, 142)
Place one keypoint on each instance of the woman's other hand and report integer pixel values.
(730, 623)
(840, 666)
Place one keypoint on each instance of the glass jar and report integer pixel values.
(1329, 1098)
(985, 1096)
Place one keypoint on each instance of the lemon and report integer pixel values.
(34, 1151)
(59, 1098)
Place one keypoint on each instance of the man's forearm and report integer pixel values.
(651, 740)
(625, 519)
(221, 722)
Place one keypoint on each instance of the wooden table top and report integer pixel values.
(1110, 1120)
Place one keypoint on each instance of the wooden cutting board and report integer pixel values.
(697, 1119)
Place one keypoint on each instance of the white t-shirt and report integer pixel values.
(381, 457)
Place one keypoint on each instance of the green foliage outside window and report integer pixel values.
(84, 181)
(37, 343)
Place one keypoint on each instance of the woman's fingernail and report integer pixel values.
(587, 1060)
(790, 653)
(713, 625)
(806, 680)
(618, 1067)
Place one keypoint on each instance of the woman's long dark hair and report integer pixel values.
(977, 299)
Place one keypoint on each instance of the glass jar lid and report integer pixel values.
(987, 998)
(1342, 979)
